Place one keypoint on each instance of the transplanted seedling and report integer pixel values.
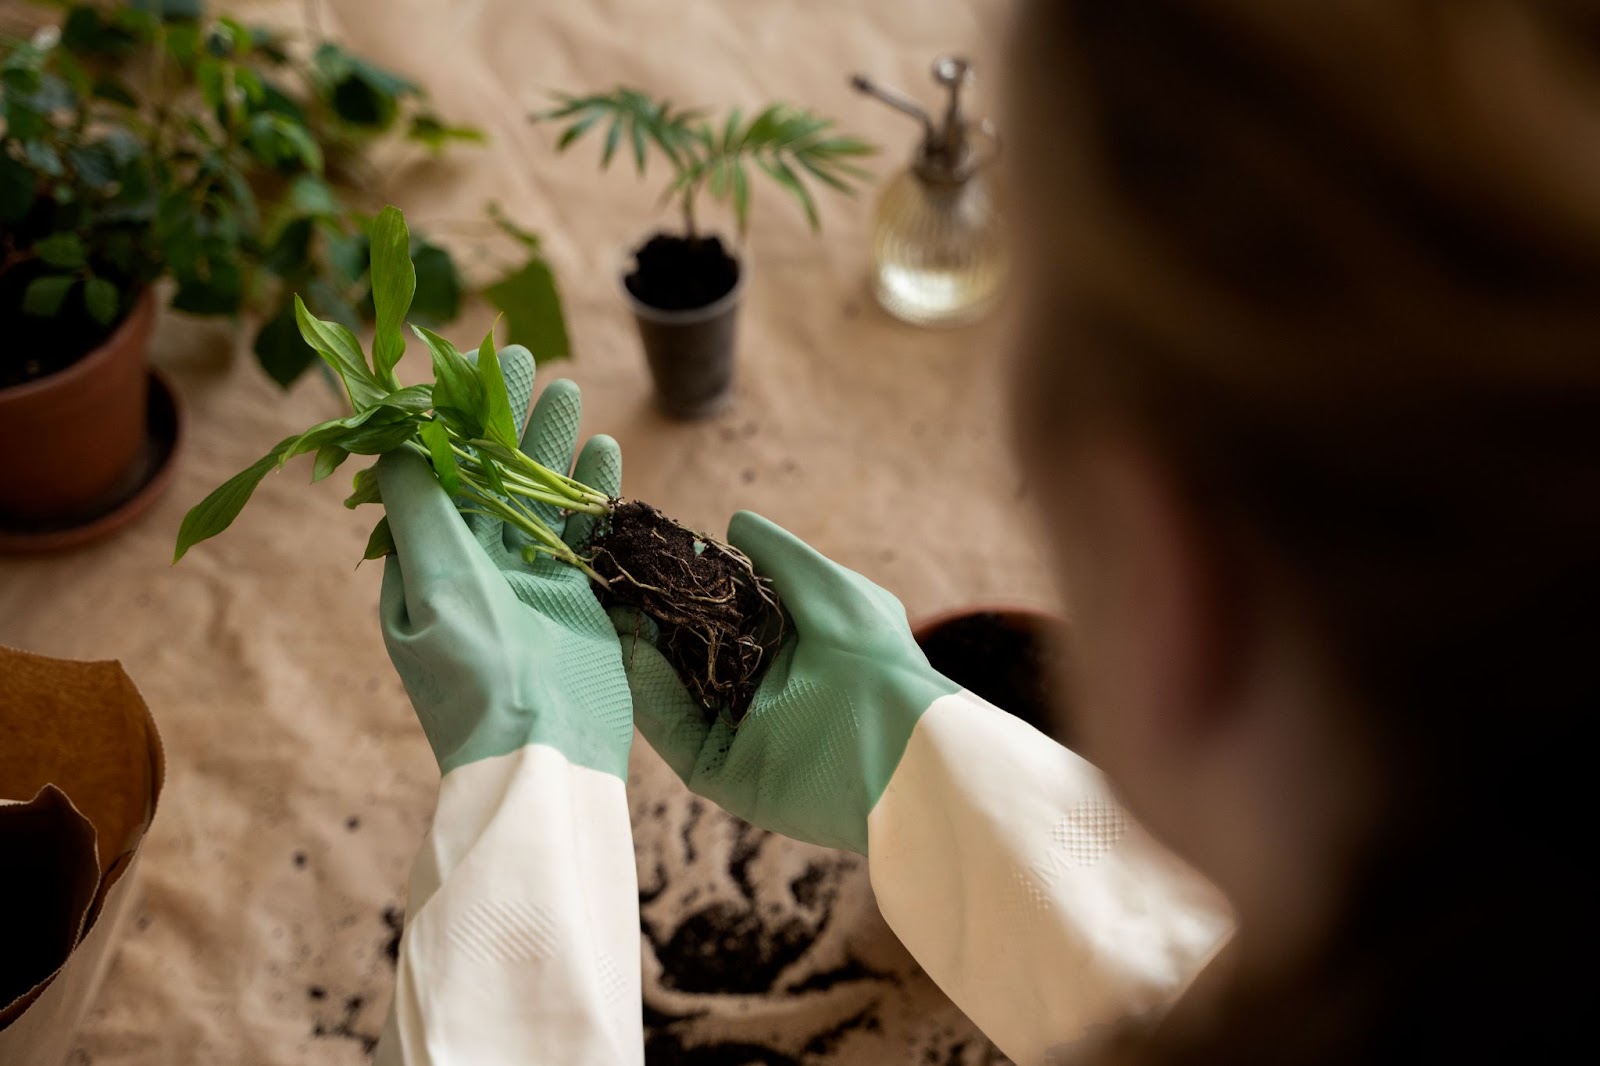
(719, 621)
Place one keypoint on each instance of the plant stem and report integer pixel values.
(560, 484)
(688, 214)
(519, 516)
(522, 518)
(571, 496)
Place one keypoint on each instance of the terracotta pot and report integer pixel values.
(80, 429)
(690, 353)
(1007, 655)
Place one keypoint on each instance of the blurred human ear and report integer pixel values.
(1155, 626)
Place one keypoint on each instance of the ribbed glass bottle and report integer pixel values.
(939, 254)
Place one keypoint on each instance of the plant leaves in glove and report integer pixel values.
(720, 623)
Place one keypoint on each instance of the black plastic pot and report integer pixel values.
(690, 352)
(1009, 656)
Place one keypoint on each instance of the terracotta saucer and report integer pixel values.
(133, 495)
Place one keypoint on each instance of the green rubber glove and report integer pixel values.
(831, 718)
(497, 653)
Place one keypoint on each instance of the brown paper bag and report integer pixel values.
(81, 769)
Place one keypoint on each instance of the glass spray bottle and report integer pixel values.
(938, 239)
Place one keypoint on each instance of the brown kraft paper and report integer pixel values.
(81, 769)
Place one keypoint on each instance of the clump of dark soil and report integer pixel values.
(720, 622)
(682, 273)
(1008, 659)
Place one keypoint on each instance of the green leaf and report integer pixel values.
(328, 459)
(397, 412)
(636, 132)
(499, 422)
(290, 252)
(61, 250)
(359, 92)
(364, 489)
(115, 91)
(18, 188)
(434, 134)
(169, 10)
(85, 33)
(269, 44)
(531, 304)
(348, 254)
(211, 77)
(332, 431)
(340, 350)
(394, 282)
(101, 300)
(457, 389)
(27, 124)
(310, 195)
(95, 164)
(327, 298)
(783, 175)
(507, 225)
(298, 143)
(215, 287)
(217, 511)
(613, 138)
(183, 43)
(43, 296)
(19, 79)
(380, 542)
(280, 349)
(413, 399)
(824, 172)
(437, 438)
(378, 439)
(491, 472)
(577, 129)
(438, 295)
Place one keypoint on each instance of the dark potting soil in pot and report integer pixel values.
(37, 346)
(682, 274)
(720, 623)
(1008, 660)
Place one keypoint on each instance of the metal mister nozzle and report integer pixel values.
(897, 100)
(944, 154)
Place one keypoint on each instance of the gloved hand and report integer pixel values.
(831, 717)
(497, 653)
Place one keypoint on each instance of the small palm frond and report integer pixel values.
(624, 112)
(789, 144)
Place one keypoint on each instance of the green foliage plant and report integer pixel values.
(462, 424)
(142, 139)
(718, 622)
(790, 145)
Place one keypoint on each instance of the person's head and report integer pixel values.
(1310, 393)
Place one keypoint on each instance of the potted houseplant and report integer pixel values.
(685, 287)
(144, 143)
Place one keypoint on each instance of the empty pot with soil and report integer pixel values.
(1009, 656)
(685, 294)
